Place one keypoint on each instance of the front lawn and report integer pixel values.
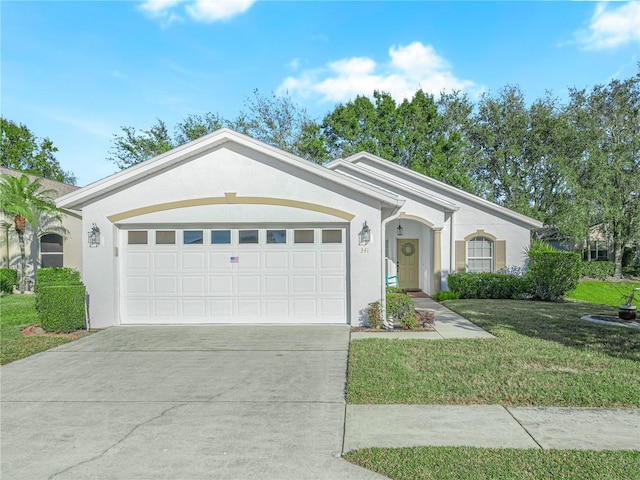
(16, 313)
(465, 463)
(604, 293)
(543, 355)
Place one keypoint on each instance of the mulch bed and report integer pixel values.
(368, 329)
(35, 330)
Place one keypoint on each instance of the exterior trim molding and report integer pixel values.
(424, 221)
(480, 233)
(230, 198)
(437, 259)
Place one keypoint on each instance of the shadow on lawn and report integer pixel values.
(553, 321)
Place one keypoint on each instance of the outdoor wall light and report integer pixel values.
(364, 237)
(94, 236)
(400, 230)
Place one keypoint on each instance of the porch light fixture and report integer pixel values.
(400, 230)
(94, 236)
(364, 236)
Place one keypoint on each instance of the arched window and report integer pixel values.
(480, 254)
(51, 250)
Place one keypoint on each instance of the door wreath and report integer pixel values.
(408, 249)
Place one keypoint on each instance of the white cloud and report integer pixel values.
(410, 67)
(198, 10)
(611, 27)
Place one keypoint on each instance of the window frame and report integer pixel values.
(52, 254)
(482, 258)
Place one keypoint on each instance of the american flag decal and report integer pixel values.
(235, 259)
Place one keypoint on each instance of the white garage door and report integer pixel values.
(233, 275)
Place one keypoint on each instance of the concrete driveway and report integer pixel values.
(227, 402)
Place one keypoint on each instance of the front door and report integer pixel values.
(408, 276)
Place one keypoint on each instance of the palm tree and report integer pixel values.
(25, 200)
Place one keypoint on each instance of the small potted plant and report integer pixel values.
(627, 311)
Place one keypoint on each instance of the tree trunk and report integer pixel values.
(618, 248)
(20, 224)
(23, 263)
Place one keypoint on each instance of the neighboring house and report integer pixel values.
(597, 247)
(226, 229)
(48, 245)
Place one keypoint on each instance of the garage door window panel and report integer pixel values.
(303, 236)
(220, 237)
(331, 236)
(248, 237)
(137, 237)
(165, 237)
(276, 236)
(193, 237)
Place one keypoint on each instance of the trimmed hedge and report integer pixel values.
(488, 285)
(61, 308)
(8, 279)
(597, 269)
(49, 276)
(553, 274)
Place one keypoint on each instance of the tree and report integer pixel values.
(25, 201)
(275, 120)
(280, 122)
(133, 146)
(21, 150)
(411, 134)
(605, 173)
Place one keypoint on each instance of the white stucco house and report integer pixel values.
(51, 244)
(226, 229)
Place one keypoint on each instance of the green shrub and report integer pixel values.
(374, 314)
(400, 307)
(443, 295)
(599, 269)
(488, 285)
(394, 290)
(553, 273)
(631, 271)
(61, 308)
(57, 276)
(8, 279)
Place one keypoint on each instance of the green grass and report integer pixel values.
(16, 313)
(604, 293)
(469, 463)
(543, 355)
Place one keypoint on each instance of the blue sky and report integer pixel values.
(77, 71)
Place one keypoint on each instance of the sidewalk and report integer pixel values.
(448, 325)
(491, 426)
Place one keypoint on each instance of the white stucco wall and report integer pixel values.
(434, 205)
(247, 173)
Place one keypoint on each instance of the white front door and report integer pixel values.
(233, 275)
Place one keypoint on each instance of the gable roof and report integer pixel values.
(203, 145)
(406, 187)
(399, 177)
(59, 188)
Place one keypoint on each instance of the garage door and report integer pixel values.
(233, 275)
